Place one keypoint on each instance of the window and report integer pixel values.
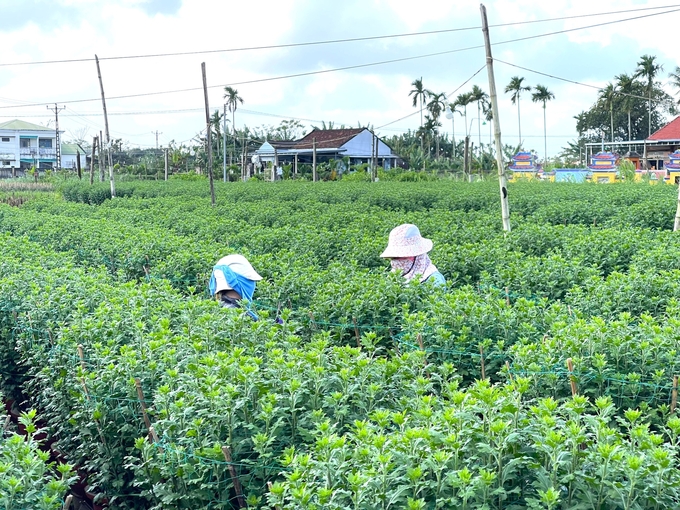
(45, 143)
(6, 163)
(5, 138)
(25, 143)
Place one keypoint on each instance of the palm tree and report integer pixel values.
(464, 100)
(420, 94)
(480, 97)
(624, 84)
(543, 95)
(436, 106)
(451, 110)
(233, 99)
(675, 78)
(648, 68)
(607, 97)
(515, 86)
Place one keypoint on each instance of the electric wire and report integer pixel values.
(356, 66)
(336, 41)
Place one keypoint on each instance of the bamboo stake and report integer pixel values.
(572, 379)
(674, 394)
(422, 347)
(481, 357)
(507, 296)
(140, 395)
(67, 502)
(226, 451)
(81, 355)
(507, 367)
(7, 421)
(356, 332)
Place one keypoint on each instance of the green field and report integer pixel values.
(371, 393)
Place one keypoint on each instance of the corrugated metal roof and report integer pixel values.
(22, 125)
(71, 149)
(327, 138)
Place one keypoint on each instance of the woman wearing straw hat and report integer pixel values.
(233, 280)
(407, 251)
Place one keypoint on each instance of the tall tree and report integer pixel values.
(648, 68)
(464, 100)
(436, 106)
(420, 95)
(607, 95)
(516, 87)
(625, 84)
(675, 79)
(233, 99)
(541, 94)
(451, 111)
(480, 97)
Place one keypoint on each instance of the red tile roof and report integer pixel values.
(670, 131)
(327, 138)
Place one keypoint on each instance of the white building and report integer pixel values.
(24, 145)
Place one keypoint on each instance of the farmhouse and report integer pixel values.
(359, 145)
(24, 145)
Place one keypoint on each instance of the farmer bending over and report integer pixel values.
(407, 251)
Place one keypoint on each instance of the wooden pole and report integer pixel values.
(166, 163)
(67, 502)
(572, 379)
(226, 451)
(356, 332)
(208, 144)
(481, 357)
(502, 175)
(106, 126)
(466, 158)
(419, 338)
(224, 143)
(676, 225)
(674, 394)
(140, 395)
(80, 173)
(372, 157)
(295, 169)
(94, 146)
(314, 177)
(100, 146)
(276, 164)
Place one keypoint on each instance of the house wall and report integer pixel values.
(361, 145)
(27, 147)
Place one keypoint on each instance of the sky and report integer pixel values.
(49, 46)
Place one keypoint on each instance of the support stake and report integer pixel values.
(140, 395)
(481, 357)
(572, 378)
(226, 451)
(674, 394)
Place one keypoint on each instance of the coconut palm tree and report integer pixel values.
(436, 106)
(464, 100)
(420, 95)
(675, 78)
(624, 84)
(607, 95)
(515, 86)
(648, 68)
(480, 97)
(451, 111)
(543, 95)
(233, 99)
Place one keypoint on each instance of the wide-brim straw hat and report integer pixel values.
(238, 264)
(406, 241)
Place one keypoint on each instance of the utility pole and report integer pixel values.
(209, 144)
(94, 146)
(502, 176)
(166, 163)
(314, 159)
(372, 157)
(106, 126)
(157, 133)
(56, 111)
(224, 143)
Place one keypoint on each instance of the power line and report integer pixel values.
(336, 41)
(357, 66)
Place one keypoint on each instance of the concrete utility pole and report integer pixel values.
(157, 133)
(502, 176)
(106, 126)
(56, 111)
(209, 144)
(166, 163)
(313, 159)
(94, 146)
(224, 143)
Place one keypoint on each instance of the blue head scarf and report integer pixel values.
(244, 286)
